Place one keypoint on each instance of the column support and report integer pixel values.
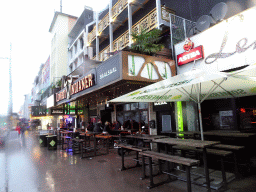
(97, 37)
(158, 12)
(130, 23)
(110, 27)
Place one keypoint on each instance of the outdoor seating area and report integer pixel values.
(180, 158)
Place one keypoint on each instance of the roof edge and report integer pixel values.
(56, 14)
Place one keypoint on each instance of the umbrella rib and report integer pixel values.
(186, 93)
(162, 96)
(224, 89)
(214, 87)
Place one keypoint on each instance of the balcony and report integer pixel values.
(92, 35)
(119, 12)
(147, 23)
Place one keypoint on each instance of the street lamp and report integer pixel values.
(9, 112)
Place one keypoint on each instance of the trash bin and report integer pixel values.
(52, 142)
(43, 140)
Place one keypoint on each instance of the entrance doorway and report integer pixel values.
(105, 115)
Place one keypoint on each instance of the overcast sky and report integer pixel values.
(26, 23)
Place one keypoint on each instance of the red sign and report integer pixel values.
(61, 95)
(192, 55)
(85, 83)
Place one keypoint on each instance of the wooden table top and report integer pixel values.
(228, 134)
(89, 133)
(187, 142)
(145, 136)
(103, 136)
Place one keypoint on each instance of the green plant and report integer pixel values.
(147, 42)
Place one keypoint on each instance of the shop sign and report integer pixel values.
(57, 112)
(61, 95)
(84, 83)
(38, 111)
(228, 45)
(108, 72)
(160, 103)
(162, 106)
(191, 55)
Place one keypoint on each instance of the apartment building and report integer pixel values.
(60, 27)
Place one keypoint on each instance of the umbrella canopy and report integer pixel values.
(197, 85)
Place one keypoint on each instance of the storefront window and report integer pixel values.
(248, 118)
(143, 105)
(144, 116)
(132, 111)
(134, 106)
(127, 107)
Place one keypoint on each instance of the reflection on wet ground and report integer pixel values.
(32, 168)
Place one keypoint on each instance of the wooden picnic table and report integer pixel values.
(229, 134)
(91, 134)
(190, 143)
(107, 137)
(145, 136)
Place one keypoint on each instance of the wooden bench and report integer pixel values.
(133, 148)
(235, 150)
(221, 153)
(188, 163)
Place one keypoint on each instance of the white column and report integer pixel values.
(110, 27)
(130, 23)
(158, 12)
(86, 40)
(97, 37)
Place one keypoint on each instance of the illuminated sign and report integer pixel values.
(192, 55)
(160, 103)
(61, 95)
(84, 83)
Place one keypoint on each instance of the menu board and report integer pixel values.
(226, 119)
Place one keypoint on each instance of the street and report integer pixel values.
(24, 166)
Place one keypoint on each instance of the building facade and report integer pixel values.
(60, 27)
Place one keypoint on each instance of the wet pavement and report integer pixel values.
(25, 166)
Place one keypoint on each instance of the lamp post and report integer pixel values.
(9, 112)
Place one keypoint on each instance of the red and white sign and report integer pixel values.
(192, 55)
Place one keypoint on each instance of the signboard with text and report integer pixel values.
(228, 45)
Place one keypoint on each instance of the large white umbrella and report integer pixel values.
(197, 85)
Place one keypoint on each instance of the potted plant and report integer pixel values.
(147, 42)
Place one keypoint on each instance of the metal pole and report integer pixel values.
(200, 120)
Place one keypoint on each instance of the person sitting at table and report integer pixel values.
(135, 126)
(98, 127)
(106, 127)
(116, 125)
(90, 126)
(127, 124)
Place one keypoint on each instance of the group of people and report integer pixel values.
(107, 127)
(99, 127)
(21, 128)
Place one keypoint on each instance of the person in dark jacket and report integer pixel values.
(98, 127)
(90, 126)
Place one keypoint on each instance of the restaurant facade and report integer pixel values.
(227, 47)
(85, 99)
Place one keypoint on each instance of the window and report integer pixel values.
(127, 107)
(134, 106)
(143, 105)
(81, 43)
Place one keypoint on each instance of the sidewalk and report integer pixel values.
(32, 168)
